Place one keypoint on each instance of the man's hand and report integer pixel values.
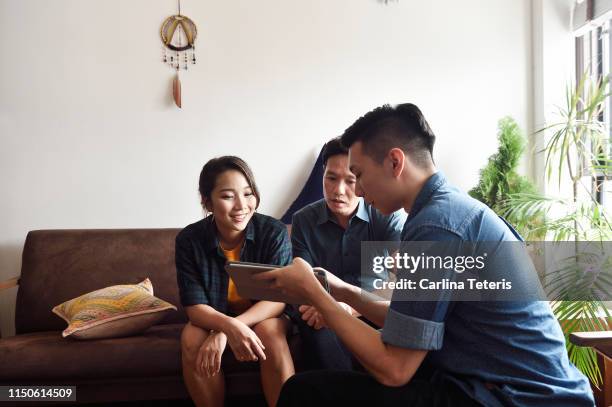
(314, 318)
(244, 342)
(208, 361)
(296, 280)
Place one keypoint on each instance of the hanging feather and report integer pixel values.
(176, 90)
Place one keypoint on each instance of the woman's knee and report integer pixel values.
(191, 340)
(271, 331)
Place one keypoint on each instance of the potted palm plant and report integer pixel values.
(577, 155)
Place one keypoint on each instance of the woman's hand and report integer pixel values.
(244, 342)
(208, 361)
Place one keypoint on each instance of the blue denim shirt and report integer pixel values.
(501, 353)
(318, 239)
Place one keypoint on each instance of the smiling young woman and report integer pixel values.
(255, 331)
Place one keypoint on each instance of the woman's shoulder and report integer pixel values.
(193, 230)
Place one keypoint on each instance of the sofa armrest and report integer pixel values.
(10, 283)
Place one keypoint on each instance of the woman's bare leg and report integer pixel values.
(278, 366)
(205, 391)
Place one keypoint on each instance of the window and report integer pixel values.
(594, 54)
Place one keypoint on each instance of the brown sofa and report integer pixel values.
(62, 264)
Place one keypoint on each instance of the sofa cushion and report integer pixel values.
(119, 310)
(47, 356)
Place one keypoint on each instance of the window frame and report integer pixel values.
(594, 52)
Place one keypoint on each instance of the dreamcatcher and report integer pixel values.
(178, 34)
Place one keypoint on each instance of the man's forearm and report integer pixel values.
(373, 308)
(390, 365)
(365, 343)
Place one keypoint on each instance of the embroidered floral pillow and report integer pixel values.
(119, 310)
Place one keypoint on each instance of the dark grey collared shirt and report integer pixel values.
(321, 241)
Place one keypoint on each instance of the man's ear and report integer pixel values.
(397, 159)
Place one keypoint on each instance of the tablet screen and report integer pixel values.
(242, 273)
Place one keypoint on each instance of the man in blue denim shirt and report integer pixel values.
(438, 352)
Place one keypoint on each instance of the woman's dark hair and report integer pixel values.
(333, 147)
(387, 127)
(215, 167)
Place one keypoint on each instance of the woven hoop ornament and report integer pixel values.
(168, 32)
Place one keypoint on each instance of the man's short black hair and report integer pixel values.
(333, 147)
(386, 127)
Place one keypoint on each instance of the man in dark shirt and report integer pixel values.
(328, 234)
(438, 352)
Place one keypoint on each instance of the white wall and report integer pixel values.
(90, 137)
(554, 68)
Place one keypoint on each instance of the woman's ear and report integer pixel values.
(206, 204)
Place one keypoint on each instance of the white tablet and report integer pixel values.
(242, 273)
